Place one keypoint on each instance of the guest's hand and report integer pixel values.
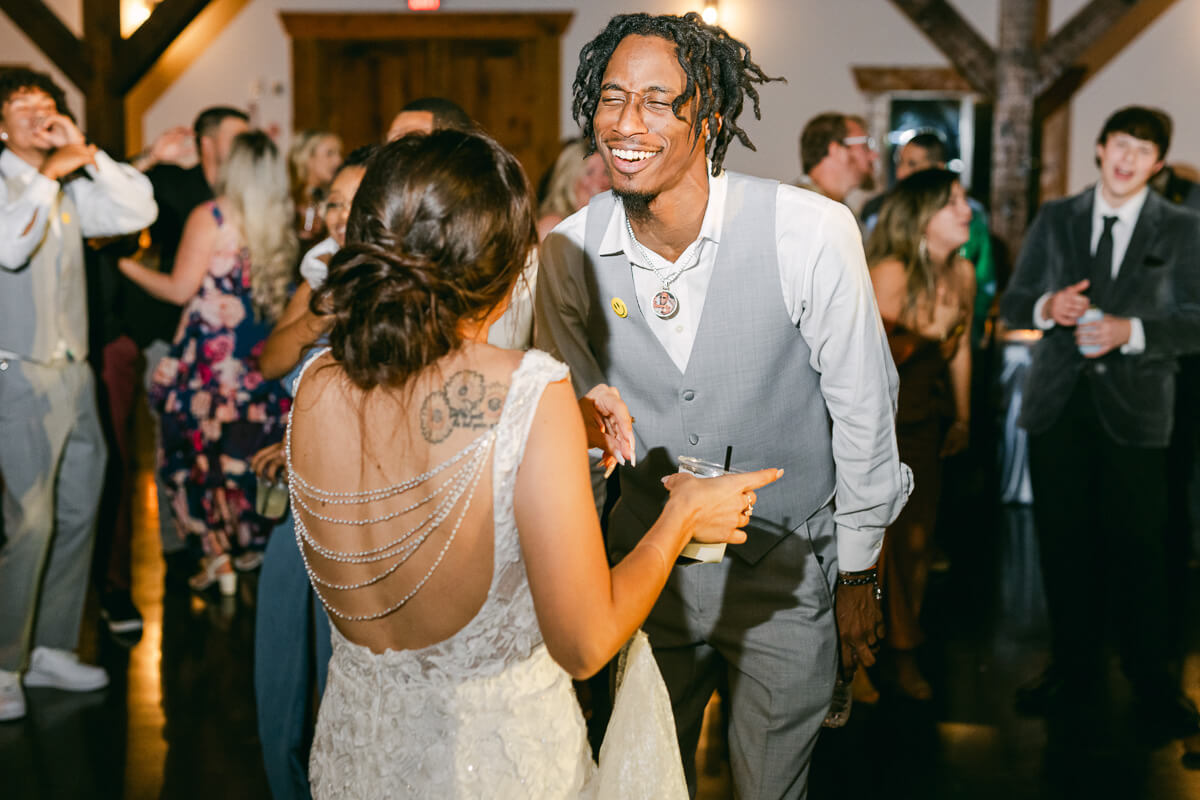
(956, 439)
(57, 130)
(609, 426)
(173, 146)
(128, 266)
(1106, 334)
(718, 508)
(65, 160)
(1067, 305)
(269, 462)
(860, 626)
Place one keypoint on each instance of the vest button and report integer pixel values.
(693, 438)
(688, 394)
(1101, 369)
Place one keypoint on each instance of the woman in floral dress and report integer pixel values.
(231, 272)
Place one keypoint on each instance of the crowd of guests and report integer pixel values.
(215, 286)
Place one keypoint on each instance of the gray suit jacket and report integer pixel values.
(1158, 282)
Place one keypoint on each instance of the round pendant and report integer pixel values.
(666, 305)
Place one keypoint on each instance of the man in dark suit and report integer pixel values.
(1112, 277)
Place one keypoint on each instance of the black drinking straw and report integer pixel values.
(728, 457)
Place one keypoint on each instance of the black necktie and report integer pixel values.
(1102, 264)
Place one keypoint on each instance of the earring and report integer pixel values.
(923, 249)
(3, 136)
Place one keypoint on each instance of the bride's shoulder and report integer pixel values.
(543, 362)
(317, 372)
(529, 364)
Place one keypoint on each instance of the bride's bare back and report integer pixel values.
(408, 474)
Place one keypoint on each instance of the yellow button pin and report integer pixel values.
(66, 218)
(618, 306)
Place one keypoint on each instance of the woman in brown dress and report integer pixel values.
(925, 291)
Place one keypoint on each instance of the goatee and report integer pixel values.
(637, 204)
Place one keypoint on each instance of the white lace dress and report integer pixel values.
(487, 712)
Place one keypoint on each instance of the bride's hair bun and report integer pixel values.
(439, 231)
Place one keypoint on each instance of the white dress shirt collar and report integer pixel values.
(1126, 215)
(12, 165)
(616, 235)
(1122, 230)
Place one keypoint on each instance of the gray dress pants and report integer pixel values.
(52, 456)
(770, 628)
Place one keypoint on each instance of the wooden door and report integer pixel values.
(351, 73)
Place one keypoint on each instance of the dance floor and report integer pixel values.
(178, 720)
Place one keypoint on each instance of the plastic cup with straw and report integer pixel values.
(706, 552)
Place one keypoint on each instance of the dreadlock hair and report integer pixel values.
(718, 68)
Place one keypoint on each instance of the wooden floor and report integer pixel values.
(178, 720)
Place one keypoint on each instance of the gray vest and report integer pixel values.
(45, 302)
(748, 382)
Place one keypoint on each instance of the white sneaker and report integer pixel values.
(60, 669)
(12, 699)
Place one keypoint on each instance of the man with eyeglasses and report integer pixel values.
(837, 155)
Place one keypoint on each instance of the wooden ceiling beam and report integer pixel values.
(1103, 45)
(958, 40)
(52, 37)
(1067, 46)
(151, 39)
(877, 80)
(104, 104)
(1013, 123)
(439, 26)
(174, 61)
(1056, 95)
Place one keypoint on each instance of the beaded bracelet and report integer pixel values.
(865, 577)
(859, 578)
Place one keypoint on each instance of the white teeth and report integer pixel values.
(633, 155)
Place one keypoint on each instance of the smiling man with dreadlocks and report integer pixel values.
(729, 312)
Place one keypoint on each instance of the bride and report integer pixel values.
(443, 506)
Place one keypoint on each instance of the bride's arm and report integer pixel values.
(585, 610)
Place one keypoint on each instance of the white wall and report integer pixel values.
(1159, 68)
(812, 43)
(806, 41)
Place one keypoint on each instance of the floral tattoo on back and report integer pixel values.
(465, 401)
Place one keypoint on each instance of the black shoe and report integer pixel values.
(1039, 697)
(119, 613)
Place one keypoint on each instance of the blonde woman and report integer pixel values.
(314, 159)
(575, 178)
(231, 273)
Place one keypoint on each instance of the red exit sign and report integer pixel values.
(424, 5)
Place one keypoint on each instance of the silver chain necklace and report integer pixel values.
(665, 304)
